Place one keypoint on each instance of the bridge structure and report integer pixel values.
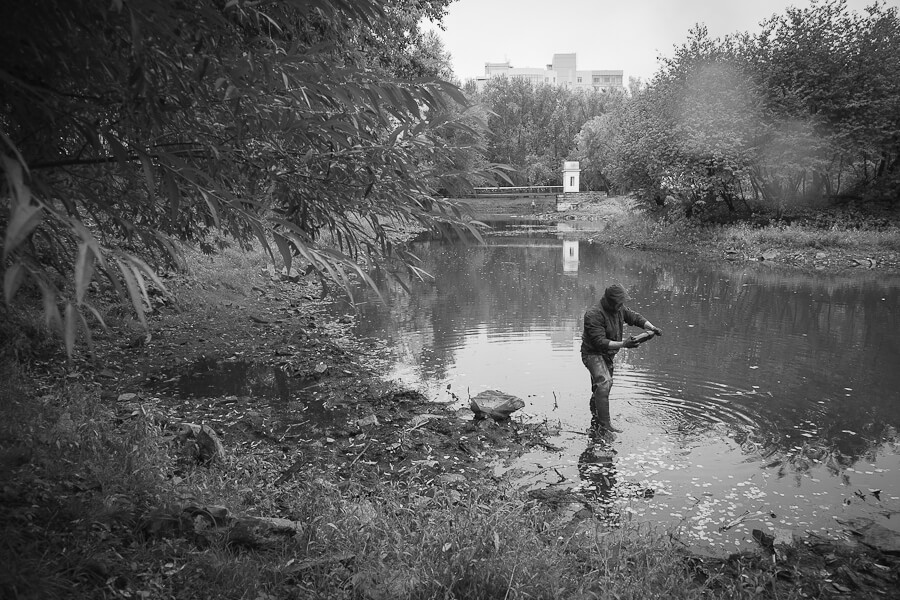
(518, 191)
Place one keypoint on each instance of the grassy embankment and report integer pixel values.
(798, 241)
(91, 498)
(829, 239)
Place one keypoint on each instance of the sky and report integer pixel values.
(606, 34)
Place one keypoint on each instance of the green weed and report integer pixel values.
(801, 236)
(232, 271)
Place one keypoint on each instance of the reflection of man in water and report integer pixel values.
(595, 466)
(601, 341)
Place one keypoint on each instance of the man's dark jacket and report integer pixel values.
(602, 326)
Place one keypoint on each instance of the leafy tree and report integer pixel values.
(596, 148)
(127, 128)
(533, 128)
(833, 77)
(805, 109)
(646, 148)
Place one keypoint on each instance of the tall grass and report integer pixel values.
(629, 221)
(230, 271)
(803, 236)
(68, 470)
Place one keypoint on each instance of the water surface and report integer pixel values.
(771, 399)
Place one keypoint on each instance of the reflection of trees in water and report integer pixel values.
(834, 450)
(504, 286)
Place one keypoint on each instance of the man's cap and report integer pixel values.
(616, 293)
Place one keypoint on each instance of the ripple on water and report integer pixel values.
(706, 405)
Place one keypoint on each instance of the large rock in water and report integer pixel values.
(495, 404)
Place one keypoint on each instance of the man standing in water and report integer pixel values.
(601, 341)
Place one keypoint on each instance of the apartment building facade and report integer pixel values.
(563, 72)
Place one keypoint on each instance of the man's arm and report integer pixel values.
(638, 320)
(629, 343)
(633, 318)
(648, 326)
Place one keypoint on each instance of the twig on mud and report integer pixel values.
(425, 420)
(290, 471)
(545, 445)
(358, 456)
(288, 428)
(540, 472)
(747, 515)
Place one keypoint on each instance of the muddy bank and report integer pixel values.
(249, 394)
(275, 368)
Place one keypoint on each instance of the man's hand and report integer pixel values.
(630, 343)
(655, 330)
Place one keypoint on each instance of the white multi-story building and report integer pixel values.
(563, 71)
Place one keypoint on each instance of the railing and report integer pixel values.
(518, 190)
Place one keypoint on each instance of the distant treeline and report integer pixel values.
(806, 109)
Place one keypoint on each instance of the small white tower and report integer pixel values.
(571, 176)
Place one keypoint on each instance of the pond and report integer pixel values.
(772, 401)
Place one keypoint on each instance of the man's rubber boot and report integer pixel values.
(602, 414)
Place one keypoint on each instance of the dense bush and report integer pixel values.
(805, 110)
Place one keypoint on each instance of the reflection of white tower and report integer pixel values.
(570, 256)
